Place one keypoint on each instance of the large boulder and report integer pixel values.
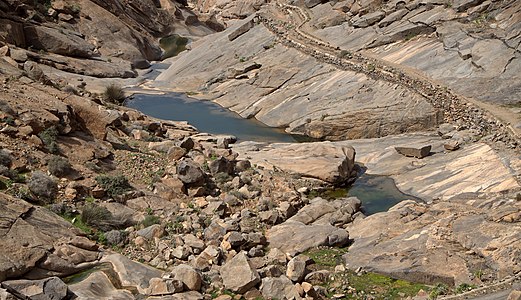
(239, 275)
(321, 160)
(188, 276)
(278, 288)
(98, 286)
(189, 172)
(295, 237)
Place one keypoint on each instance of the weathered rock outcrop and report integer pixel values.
(296, 90)
(37, 243)
(413, 240)
(323, 161)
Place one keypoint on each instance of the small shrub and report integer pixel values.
(438, 290)
(114, 93)
(116, 237)
(464, 287)
(345, 54)
(114, 185)
(49, 137)
(96, 216)
(6, 108)
(43, 187)
(5, 158)
(222, 178)
(69, 89)
(150, 220)
(59, 166)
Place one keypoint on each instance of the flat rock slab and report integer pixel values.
(98, 286)
(322, 160)
(414, 151)
(413, 241)
(294, 237)
(473, 168)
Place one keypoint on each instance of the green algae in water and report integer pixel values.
(80, 276)
(173, 45)
(377, 193)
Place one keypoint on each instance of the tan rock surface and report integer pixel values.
(324, 161)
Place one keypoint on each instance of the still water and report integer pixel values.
(377, 193)
(206, 116)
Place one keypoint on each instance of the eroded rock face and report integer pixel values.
(297, 91)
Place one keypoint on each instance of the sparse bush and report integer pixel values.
(61, 209)
(59, 166)
(222, 178)
(5, 158)
(69, 89)
(116, 237)
(464, 287)
(6, 108)
(114, 93)
(150, 220)
(96, 216)
(43, 187)
(49, 137)
(438, 290)
(114, 185)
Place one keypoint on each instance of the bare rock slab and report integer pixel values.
(132, 273)
(414, 151)
(322, 160)
(294, 237)
(98, 286)
(239, 275)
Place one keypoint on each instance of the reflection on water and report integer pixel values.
(377, 193)
(206, 116)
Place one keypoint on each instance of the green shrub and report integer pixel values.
(114, 185)
(150, 220)
(49, 137)
(438, 290)
(114, 93)
(43, 187)
(6, 108)
(96, 216)
(59, 166)
(464, 287)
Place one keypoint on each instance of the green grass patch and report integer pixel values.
(383, 287)
(326, 256)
